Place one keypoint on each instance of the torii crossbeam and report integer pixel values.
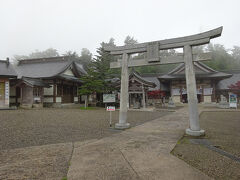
(153, 58)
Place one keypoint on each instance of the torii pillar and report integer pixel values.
(194, 129)
(122, 124)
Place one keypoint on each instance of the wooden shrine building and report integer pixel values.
(207, 80)
(47, 81)
(7, 74)
(138, 90)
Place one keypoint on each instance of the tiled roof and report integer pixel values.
(33, 82)
(47, 67)
(201, 71)
(7, 69)
(141, 79)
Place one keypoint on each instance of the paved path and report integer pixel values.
(142, 152)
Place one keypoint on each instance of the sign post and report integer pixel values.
(110, 109)
(233, 100)
(109, 98)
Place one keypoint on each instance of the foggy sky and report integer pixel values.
(27, 25)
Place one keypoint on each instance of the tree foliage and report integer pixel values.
(98, 73)
(130, 41)
(50, 52)
(85, 58)
(222, 59)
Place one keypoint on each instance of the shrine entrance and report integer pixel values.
(153, 57)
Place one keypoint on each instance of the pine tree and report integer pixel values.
(99, 74)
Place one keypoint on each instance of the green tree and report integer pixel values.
(130, 41)
(236, 53)
(90, 85)
(86, 57)
(221, 59)
(99, 74)
(50, 52)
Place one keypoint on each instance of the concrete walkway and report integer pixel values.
(142, 152)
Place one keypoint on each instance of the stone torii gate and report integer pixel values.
(152, 50)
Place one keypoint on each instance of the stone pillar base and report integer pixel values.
(195, 133)
(122, 125)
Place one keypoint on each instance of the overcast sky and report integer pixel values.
(27, 25)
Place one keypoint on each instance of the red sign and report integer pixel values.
(110, 108)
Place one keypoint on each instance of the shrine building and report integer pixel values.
(207, 80)
(7, 74)
(47, 81)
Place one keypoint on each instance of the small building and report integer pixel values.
(47, 81)
(138, 90)
(7, 74)
(206, 80)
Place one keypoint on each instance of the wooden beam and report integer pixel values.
(193, 40)
(163, 60)
(164, 46)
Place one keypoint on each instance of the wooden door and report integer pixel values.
(67, 94)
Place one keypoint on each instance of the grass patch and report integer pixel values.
(87, 108)
(64, 178)
(183, 140)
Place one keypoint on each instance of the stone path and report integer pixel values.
(142, 152)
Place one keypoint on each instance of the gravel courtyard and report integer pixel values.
(222, 130)
(37, 144)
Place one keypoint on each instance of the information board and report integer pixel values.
(109, 98)
(232, 100)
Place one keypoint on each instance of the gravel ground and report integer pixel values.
(223, 131)
(23, 128)
(29, 139)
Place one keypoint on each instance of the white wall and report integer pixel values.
(207, 99)
(58, 99)
(48, 99)
(176, 99)
(48, 91)
(68, 72)
(75, 99)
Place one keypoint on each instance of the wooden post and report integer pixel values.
(147, 98)
(122, 124)
(144, 100)
(16, 98)
(54, 91)
(203, 93)
(213, 96)
(194, 128)
(181, 93)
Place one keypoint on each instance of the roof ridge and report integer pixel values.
(41, 60)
